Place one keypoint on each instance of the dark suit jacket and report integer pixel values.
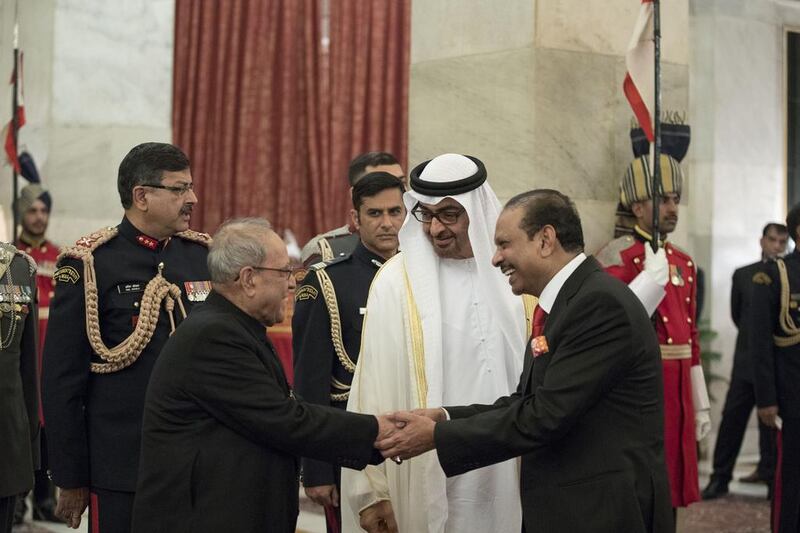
(587, 418)
(741, 297)
(222, 431)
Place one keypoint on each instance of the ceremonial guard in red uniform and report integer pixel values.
(665, 282)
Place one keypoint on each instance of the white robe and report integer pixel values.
(392, 374)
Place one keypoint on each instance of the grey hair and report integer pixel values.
(238, 243)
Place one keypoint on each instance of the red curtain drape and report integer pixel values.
(270, 113)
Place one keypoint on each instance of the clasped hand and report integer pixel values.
(406, 434)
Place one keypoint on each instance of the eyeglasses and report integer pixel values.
(180, 189)
(288, 272)
(447, 217)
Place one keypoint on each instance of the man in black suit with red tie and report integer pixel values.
(587, 417)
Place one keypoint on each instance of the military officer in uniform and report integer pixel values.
(775, 345)
(342, 241)
(329, 311)
(665, 282)
(120, 292)
(33, 207)
(19, 420)
(741, 398)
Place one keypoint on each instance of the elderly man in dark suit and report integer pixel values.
(587, 417)
(222, 429)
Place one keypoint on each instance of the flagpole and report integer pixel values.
(657, 123)
(14, 133)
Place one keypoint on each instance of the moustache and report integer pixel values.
(187, 209)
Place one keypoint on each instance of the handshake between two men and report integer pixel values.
(410, 433)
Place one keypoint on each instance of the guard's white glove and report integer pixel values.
(649, 284)
(702, 419)
(656, 265)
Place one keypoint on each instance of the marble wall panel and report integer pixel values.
(83, 175)
(113, 62)
(605, 27)
(454, 28)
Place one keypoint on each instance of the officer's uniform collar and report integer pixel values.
(29, 240)
(646, 237)
(130, 232)
(362, 253)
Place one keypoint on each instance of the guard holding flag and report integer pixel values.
(665, 282)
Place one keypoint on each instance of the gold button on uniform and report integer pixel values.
(636, 260)
(689, 320)
(669, 340)
(666, 319)
(691, 279)
(669, 251)
(689, 263)
(688, 300)
(136, 304)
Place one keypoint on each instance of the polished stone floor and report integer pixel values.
(745, 510)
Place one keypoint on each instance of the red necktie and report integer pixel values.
(539, 318)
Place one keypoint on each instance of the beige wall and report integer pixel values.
(534, 90)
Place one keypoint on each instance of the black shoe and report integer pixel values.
(45, 511)
(754, 477)
(715, 489)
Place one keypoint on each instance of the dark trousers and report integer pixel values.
(7, 505)
(110, 511)
(739, 403)
(786, 498)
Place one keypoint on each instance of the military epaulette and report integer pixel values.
(195, 236)
(87, 244)
(611, 253)
(762, 278)
(32, 267)
(7, 253)
(325, 264)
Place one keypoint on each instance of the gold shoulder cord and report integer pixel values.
(787, 324)
(329, 294)
(325, 249)
(157, 290)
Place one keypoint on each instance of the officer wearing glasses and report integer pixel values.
(119, 293)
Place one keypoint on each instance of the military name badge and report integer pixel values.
(676, 276)
(197, 291)
(306, 292)
(66, 274)
(762, 278)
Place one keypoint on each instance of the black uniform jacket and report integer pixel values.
(587, 418)
(777, 368)
(19, 417)
(315, 359)
(741, 296)
(94, 421)
(222, 430)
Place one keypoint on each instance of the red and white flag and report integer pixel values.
(16, 75)
(639, 84)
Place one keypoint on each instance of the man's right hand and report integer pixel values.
(379, 518)
(71, 505)
(324, 495)
(769, 415)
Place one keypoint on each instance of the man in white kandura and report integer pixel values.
(441, 328)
